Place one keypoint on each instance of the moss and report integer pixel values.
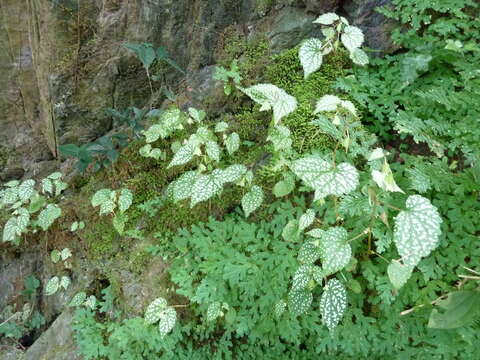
(102, 240)
(286, 72)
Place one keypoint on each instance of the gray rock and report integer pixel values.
(321, 6)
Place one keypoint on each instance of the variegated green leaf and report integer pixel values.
(65, 282)
(78, 299)
(125, 200)
(23, 219)
(107, 207)
(326, 19)
(309, 253)
(352, 38)
(299, 301)
(182, 187)
(417, 230)
(311, 56)
(183, 155)
(399, 273)
(26, 190)
(280, 137)
(91, 302)
(213, 150)
(47, 186)
(52, 286)
(197, 115)
(101, 196)
(359, 57)
(233, 173)
(55, 256)
(10, 230)
(334, 249)
(333, 303)
(232, 143)
(48, 215)
(214, 311)
(221, 126)
(154, 310)
(280, 308)
(65, 254)
(306, 219)
(168, 319)
(205, 187)
(302, 277)
(252, 200)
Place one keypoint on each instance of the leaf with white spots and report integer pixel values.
(101, 196)
(65, 282)
(399, 273)
(65, 254)
(47, 186)
(252, 200)
(78, 299)
(359, 57)
(311, 56)
(335, 251)
(55, 256)
(306, 219)
(299, 301)
(52, 286)
(91, 302)
(214, 311)
(280, 308)
(107, 207)
(333, 303)
(183, 155)
(221, 126)
(327, 103)
(197, 115)
(48, 215)
(233, 173)
(271, 97)
(324, 178)
(154, 310)
(168, 318)
(213, 150)
(125, 200)
(182, 187)
(205, 187)
(23, 219)
(280, 137)
(26, 190)
(302, 277)
(308, 253)
(417, 230)
(10, 230)
(316, 233)
(326, 19)
(232, 143)
(352, 38)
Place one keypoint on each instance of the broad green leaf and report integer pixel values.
(233, 173)
(325, 179)
(285, 186)
(417, 229)
(214, 311)
(26, 190)
(232, 143)
(183, 155)
(10, 230)
(101, 196)
(271, 97)
(154, 310)
(91, 302)
(334, 249)
(290, 231)
(118, 222)
(65, 282)
(399, 273)
(197, 115)
(213, 150)
(327, 103)
(280, 308)
(299, 301)
(182, 187)
(333, 303)
(280, 137)
(23, 219)
(55, 256)
(359, 57)
(302, 277)
(144, 52)
(168, 318)
(48, 215)
(52, 286)
(459, 309)
(47, 186)
(205, 187)
(65, 254)
(326, 19)
(125, 200)
(221, 126)
(384, 179)
(352, 38)
(306, 219)
(78, 299)
(149, 152)
(311, 56)
(252, 200)
(308, 253)
(107, 207)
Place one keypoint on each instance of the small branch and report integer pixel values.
(469, 277)
(179, 306)
(471, 270)
(363, 233)
(408, 311)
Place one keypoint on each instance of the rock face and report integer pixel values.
(65, 62)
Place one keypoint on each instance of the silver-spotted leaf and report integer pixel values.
(306, 219)
(55, 256)
(232, 143)
(78, 299)
(213, 150)
(205, 187)
(302, 277)
(125, 200)
(417, 229)
(154, 310)
(334, 249)
(168, 318)
(299, 301)
(52, 286)
(311, 56)
(252, 200)
(48, 215)
(101, 196)
(183, 155)
(352, 38)
(214, 311)
(398, 274)
(308, 253)
(26, 190)
(65, 282)
(233, 173)
(333, 303)
(326, 19)
(182, 187)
